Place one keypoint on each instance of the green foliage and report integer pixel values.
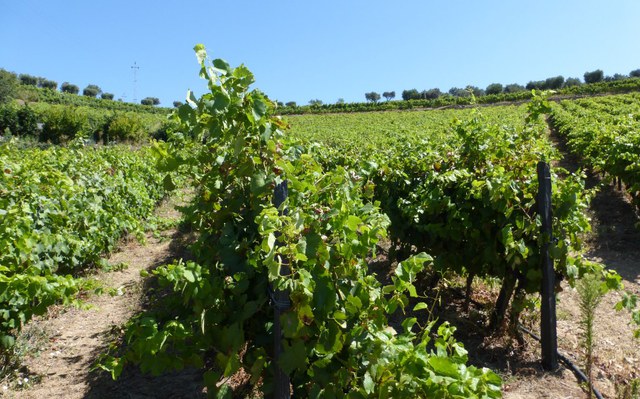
(476, 91)
(616, 76)
(315, 103)
(590, 293)
(594, 76)
(17, 120)
(458, 96)
(150, 101)
(412, 94)
(494, 88)
(61, 208)
(635, 73)
(62, 124)
(513, 88)
(28, 80)
(336, 337)
(630, 391)
(389, 95)
(8, 85)
(554, 83)
(430, 94)
(458, 92)
(127, 126)
(107, 96)
(631, 303)
(291, 104)
(372, 96)
(535, 85)
(67, 87)
(177, 104)
(64, 98)
(463, 192)
(91, 91)
(571, 82)
(47, 84)
(605, 133)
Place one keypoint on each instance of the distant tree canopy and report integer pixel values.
(430, 94)
(340, 101)
(315, 102)
(177, 104)
(150, 101)
(412, 94)
(494, 88)
(570, 82)
(535, 85)
(616, 76)
(69, 88)
(553, 83)
(475, 90)
(47, 84)
(8, 85)
(107, 96)
(635, 73)
(458, 92)
(373, 96)
(29, 80)
(513, 88)
(389, 95)
(594, 76)
(291, 104)
(91, 91)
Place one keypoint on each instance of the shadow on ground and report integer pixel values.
(133, 384)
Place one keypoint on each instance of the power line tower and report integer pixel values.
(135, 68)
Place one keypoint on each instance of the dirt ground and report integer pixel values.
(65, 344)
(614, 242)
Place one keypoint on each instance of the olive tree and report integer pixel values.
(594, 76)
(412, 94)
(67, 87)
(389, 95)
(373, 96)
(91, 91)
(47, 84)
(494, 88)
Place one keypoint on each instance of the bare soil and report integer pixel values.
(66, 343)
(614, 242)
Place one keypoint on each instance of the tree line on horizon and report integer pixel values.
(552, 83)
(9, 81)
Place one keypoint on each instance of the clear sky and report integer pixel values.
(303, 50)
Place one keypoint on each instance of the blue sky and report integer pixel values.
(303, 50)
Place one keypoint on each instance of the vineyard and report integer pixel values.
(61, 210)
(605, 133)
(289, 216)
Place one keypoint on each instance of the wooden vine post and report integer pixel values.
(281, 303)
(549, 339)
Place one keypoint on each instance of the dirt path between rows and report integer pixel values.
(614, 242)
(66, 343)
(69, 340)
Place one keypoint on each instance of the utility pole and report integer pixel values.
(135, 68)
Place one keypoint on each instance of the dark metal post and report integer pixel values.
(547, 292)
(281, 303)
